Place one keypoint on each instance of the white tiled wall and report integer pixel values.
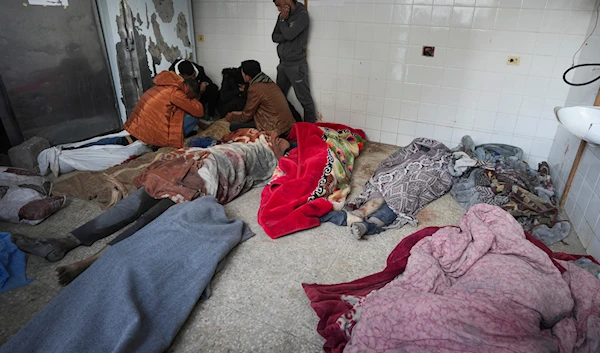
(583, 201)
(367, 68)
(235, 31)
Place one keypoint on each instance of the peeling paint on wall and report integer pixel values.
(170, 52)
(144, 46)
(165, 9)
(182, 30)
(129, 89)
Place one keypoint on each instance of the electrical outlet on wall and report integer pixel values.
(513, 60)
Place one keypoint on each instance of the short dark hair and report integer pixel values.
(186, 68)
(193, 85)
(251, 68)
(295, 1)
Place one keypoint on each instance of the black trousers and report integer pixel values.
(236, 125)
(297, 76)
(210, 99)
(138, 206)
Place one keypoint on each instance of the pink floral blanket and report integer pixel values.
(482, 287)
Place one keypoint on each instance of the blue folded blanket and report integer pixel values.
(12, 265)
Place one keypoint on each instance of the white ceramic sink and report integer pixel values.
(583, 122)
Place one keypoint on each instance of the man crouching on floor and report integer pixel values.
(167, 112)
(266, 107)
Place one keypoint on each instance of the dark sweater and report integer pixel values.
(292, 36)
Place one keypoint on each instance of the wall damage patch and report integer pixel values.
(171, 53)
(147, 17)
(165, 9)
(182, 30)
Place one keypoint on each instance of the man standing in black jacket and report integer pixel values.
(291, 34)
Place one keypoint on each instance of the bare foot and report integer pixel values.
(66, 274)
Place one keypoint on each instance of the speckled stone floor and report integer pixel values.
(257, 303)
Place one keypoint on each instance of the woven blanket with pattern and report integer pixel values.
(409, 179)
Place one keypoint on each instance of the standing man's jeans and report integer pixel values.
(189, 123)
(296, 75)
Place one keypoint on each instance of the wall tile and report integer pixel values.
(486, 3)
(534, 4)
(546, 129)
(530, 20)
(462, 16)
(383, 13)
(594, 248)
(483, 18)
(578, 22)
(506, 19)
(404, 140)
(554, 21)
(365, 13)
(389, 137)
(401, 14)
(441, 15)
(421, 15)
(585, 233)
(505, 123)
(592, 211)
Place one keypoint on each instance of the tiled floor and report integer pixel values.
(257, 302)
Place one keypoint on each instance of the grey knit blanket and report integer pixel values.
(409, 179)
(137, 296)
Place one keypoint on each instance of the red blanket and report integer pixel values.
(284, 206)
(327, 300)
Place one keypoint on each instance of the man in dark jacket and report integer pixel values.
(232, 96)
(209, 92)
(291, 34)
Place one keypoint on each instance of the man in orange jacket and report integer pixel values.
(167, 112)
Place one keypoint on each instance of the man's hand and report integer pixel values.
(230, 116)
(203, 86)
(242, 88)
(285, 12)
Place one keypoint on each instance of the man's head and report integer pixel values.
(281, 3)
(193, 88)
(250, 68)
(186, 69)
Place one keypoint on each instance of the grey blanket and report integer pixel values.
(137, 296)
(409, 179)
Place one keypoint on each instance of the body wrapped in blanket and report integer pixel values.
(137, 296)
(223, 171)
(483, 287)
(312, 179)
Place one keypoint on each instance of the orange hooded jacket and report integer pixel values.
(157, 119)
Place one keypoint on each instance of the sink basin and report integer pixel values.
(583, 122)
